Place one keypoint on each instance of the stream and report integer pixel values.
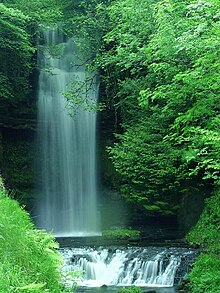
(107, 269)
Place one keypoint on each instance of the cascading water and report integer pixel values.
(68, 202)
(149, 267)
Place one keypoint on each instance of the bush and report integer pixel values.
(28, 259)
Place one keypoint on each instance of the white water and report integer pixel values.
(68, 202)
(151, 267)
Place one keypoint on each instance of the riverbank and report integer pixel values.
(95, 241)
(205, 276)
(29, 261)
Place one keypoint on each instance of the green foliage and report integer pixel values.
(148, 166)
(205, 274)
(125, 39)
(86, 21)
(17, 168)
(201, 152)
(190, 95)
(47, 12)
(207, 231)
(15, 53)
(28, 259)
(20, 25)
(159, 63)
(82, 94)
(122, 54)
(121, 234)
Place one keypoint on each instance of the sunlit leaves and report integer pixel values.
(130, 23)
(39, 11)
(15, 54)
(175, 59)
(148, 166)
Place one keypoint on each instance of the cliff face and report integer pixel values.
(17, 161)
(19, 156)
(18, 120)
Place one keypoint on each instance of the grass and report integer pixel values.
(205, 277)
(29, 261)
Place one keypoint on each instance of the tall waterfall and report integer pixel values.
(68, 202)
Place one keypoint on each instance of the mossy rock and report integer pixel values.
(152, 208)
(121, 234)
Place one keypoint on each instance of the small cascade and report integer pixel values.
(67, 204)
(151, 267)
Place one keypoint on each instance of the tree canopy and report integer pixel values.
(163, 59)
(15, 53)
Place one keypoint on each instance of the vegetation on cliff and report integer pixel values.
(204, 277)
(166, 94)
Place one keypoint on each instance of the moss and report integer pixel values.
(152, 208)
(121, 234)
(18, 161)
(132, 289)
(204, 276)
(206, 233)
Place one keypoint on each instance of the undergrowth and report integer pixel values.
(205, 276)
(28, 259)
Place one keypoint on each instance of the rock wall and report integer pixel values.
(192, 205)
(1, 150)
(17, 164)
(19, 156)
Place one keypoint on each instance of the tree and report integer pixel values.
(15, 54)
(164, 61)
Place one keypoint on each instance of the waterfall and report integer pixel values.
(68, 202)
(149, 267)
